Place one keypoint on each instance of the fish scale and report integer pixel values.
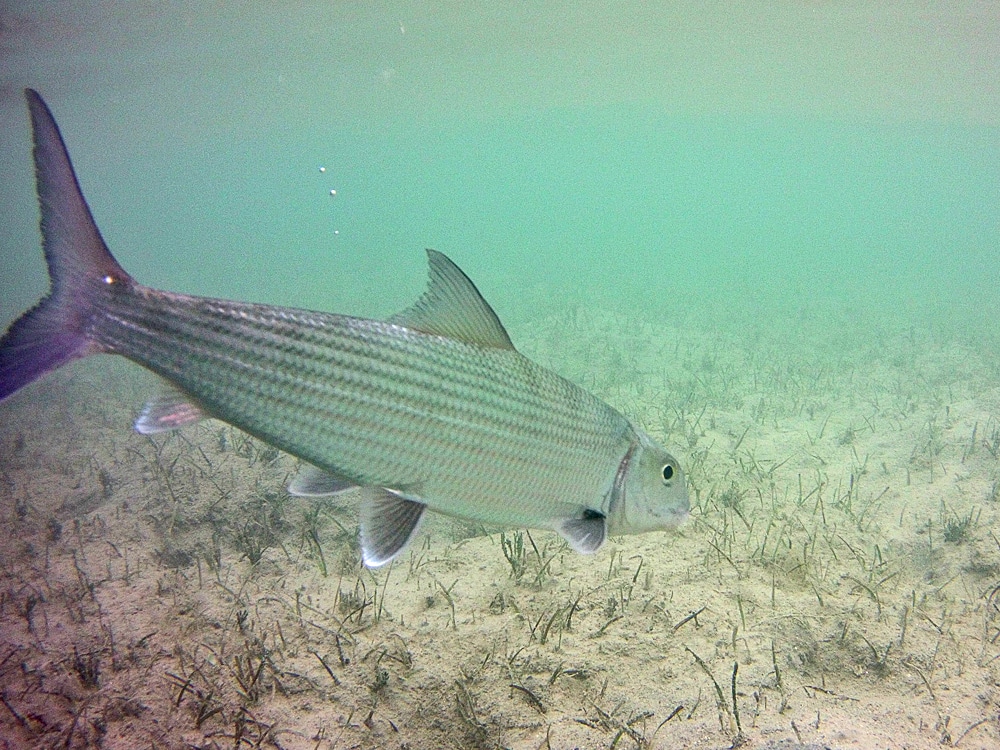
(379, 403)
(431, 409)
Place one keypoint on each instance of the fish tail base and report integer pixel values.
(54, 332)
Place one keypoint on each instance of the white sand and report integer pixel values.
(843, 553)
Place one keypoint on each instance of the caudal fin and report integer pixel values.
(54, 332)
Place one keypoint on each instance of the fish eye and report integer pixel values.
(667, 472)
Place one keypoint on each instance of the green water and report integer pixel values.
(769, 233)
(199, 137)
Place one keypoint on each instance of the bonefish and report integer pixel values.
(432, 408)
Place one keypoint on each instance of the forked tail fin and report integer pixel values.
(54, 332)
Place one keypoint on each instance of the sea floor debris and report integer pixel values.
(838, 583)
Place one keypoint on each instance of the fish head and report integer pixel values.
(654, 492)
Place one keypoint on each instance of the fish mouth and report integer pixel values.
(677, 513)
(683, 510)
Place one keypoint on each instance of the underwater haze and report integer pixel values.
(655, 159)
(769, 233)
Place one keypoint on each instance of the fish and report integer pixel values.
(431, 409)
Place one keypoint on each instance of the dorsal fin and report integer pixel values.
(453, 307)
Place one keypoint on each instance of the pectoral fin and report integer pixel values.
(388, 523)
(585, 534)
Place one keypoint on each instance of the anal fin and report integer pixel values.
(167, 412)
(312, 481)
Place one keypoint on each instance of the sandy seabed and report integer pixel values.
(837, 584)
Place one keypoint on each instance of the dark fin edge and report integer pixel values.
(586, 534)
(53, 332)
(388, 524)
(452, 307)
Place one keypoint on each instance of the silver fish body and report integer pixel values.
(433, 408)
